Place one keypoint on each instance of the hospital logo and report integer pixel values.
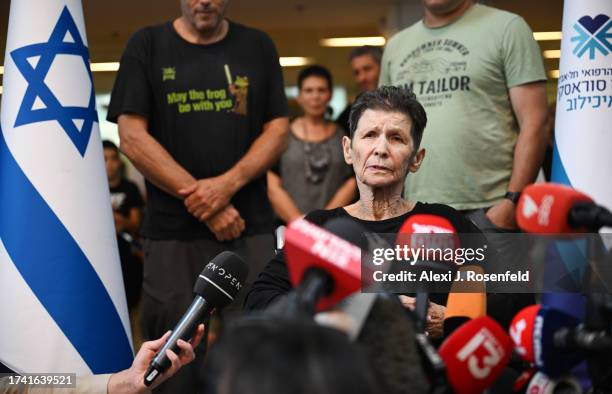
(593, 36)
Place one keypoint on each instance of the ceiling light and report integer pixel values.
(294, 61)
(376, 41)
(552, 54)
(102, 67)
(547, 35)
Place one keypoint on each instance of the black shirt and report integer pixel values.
(206, 105)
(125, 196)
(273, 281)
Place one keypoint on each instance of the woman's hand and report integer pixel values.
(435, 315)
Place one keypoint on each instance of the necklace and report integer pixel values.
(316, 158)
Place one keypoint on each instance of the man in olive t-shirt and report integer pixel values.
(479, 74)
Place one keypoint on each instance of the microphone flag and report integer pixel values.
(62, 300)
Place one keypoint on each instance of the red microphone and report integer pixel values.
(428, 232)
(322, 264)
(475, 355)
(551, 208)
(521, 332)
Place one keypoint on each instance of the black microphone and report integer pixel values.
(216, 287)
(589, 215)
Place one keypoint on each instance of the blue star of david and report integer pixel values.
(37, 88)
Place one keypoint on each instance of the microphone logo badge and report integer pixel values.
(483, 353)
(516, 332)
(530, 207)
(223, 273)
(429, 229)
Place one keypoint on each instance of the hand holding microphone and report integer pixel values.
(215, 287)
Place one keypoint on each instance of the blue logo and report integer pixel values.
(39, 102)
(593, 35)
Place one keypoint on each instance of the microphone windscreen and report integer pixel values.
(521, 332)
(542, 384)
(545, 207)
(309, 246)
(389, 341)
(475, 355)
(549, 359)
(221, 279)
(428, 232)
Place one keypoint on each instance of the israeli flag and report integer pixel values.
(62, 303)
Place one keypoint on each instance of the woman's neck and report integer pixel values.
(379, 204)
(314, 121)
(312, 129)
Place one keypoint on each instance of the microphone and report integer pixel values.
(388, 340)
(323, 267)
(552, 208)
(521, 332)
(542, 384)
(462, 307)
(475, 355)
(549, 351)
(216, 287)
(426, 239)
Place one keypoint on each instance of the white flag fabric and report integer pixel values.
(583, 131)
(62, 302)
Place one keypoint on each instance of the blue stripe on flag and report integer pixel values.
(58, 272)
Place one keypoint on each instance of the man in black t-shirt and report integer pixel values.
(202, 114)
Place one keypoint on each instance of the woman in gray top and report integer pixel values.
(311, 174)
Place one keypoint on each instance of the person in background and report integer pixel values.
(202, 114)
(480, 75)
(127, 204)
(311, 173)
(365, 64)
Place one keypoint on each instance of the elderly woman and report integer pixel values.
(386, 127)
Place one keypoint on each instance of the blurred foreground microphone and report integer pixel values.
(424, 239)
(551, 208)
(216, 287)
(521, 332)
(462, 306)
(542, 384)
(475, 355)
(547, 351)
(324, 264)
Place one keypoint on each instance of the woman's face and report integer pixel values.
(381, 150)
(113, 163)
(314, 96)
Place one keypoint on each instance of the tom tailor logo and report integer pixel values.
(168, 73)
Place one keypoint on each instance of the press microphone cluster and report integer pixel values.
(215, 288)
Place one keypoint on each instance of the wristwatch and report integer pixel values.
(513, 196)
